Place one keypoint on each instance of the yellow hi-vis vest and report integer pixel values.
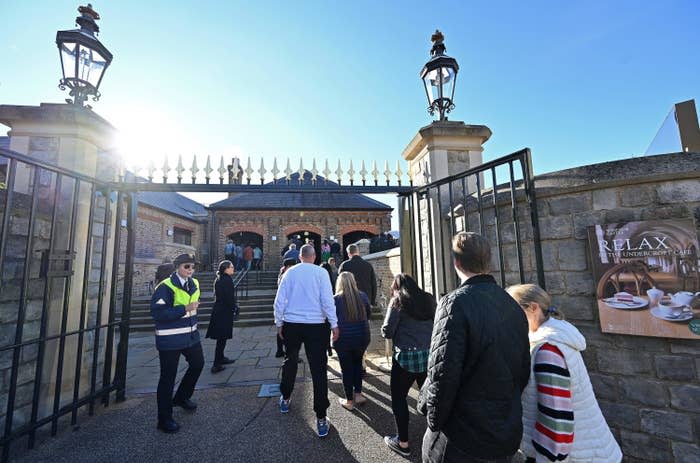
(180, 296)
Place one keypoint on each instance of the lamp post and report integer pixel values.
(439, 76)
(84, 59)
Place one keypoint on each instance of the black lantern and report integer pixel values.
(439, 76)
(84, 59)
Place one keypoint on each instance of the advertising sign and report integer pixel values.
(647, 278)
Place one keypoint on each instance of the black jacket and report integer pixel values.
(479, 365)
(364, 275)
(221, 324)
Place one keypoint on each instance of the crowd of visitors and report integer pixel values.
(499, 372)
(247, 256)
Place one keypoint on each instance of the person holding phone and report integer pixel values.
(174, 309)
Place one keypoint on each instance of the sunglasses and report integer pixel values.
(188, 266)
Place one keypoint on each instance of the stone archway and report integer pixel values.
(303, 236)
(354, 234)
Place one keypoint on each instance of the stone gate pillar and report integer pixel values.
(76, 139)
(438, 151)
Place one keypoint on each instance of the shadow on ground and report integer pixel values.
(233, 425)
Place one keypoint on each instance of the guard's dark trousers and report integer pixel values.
(315, 339)
(168, 370)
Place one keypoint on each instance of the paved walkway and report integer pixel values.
(231, 423)
(253, 349)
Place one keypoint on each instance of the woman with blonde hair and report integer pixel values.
(561, 417)
(353, 310)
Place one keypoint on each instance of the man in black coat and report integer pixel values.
(478, 366)
(362, 270)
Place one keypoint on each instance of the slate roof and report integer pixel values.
(313, 200)
(171, 202)
(174, 203)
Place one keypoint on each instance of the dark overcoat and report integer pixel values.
(221, 324)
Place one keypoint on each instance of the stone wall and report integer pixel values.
(648, 388)
(387, 264)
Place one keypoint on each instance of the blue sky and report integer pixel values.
(577, 82)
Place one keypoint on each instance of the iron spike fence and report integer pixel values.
(234, 177)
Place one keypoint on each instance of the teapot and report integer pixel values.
(683, 297)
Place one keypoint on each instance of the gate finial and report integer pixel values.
(339, 173)
(208, 169)
(351, 173)
(275, 170)
(363, 173)
(262, 171)
(222, 170)
(194, 169)
(179, 169)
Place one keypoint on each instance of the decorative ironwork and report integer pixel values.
(222, 170)
(288, 171)
(363, 173)
(345, 175)
(248, 172)
(262, 171)
(326, 172)
(314, 173)
(275, 171)
(339, 173)
(194, 170)
(208, 170)
(375, 173)
(179, 169)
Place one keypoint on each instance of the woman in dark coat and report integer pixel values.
(225, 307)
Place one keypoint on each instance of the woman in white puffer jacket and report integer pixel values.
(561, 417)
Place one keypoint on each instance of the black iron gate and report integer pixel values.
(58, 328)
(497, 200)
(65, 298)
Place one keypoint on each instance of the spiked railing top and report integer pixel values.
(234, 172)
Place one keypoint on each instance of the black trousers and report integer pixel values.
(219, 351)
(315, 339)
(401, 382)
(168, 370)
(280, 344)
(351, 367)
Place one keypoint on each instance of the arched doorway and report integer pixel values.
(354, 237)
(302, 237)
(245, 238)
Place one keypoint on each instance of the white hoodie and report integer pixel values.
(593, 441)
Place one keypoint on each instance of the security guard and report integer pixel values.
(174, 309)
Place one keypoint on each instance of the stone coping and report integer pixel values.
(393, 252)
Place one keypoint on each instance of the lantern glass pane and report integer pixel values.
(68, 59)
(448, 82)
(90, 66)
(437, 88)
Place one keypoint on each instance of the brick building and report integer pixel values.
(271, 220)
(169, 224)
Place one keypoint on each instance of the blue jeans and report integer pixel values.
(351, 367)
